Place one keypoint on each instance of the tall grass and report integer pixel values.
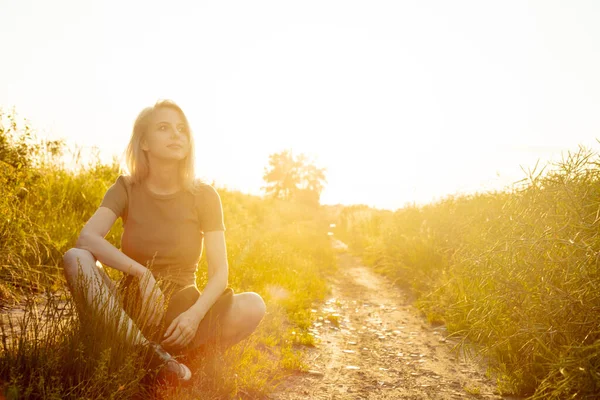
(514, 271)
(277, 249)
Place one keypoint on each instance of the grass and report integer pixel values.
(517, 272)
(277, 249)
(472, 389)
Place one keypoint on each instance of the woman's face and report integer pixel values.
(167, 136)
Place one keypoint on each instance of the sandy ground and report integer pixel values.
(373, 344)
(12, 318)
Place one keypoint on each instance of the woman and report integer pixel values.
(167, 217)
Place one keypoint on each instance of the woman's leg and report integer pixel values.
(92, 287)
(246, 312)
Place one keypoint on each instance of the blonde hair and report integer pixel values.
(137, 160)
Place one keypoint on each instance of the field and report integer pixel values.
(517, 272)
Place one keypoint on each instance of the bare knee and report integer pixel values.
(248, 310)
(256, 307)
(74, 259)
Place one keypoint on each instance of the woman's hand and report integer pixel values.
(153, 300)
(182, 330)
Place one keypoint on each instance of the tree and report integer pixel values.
(293, 178)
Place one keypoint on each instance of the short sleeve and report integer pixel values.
(116, 197)
(210, 210)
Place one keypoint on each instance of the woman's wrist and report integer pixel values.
(138, 270)
(199, 308)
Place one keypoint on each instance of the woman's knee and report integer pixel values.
(256, 306)
(74, 259)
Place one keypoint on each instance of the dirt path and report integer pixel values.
(373, 345)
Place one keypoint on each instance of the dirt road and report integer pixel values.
(374, 345)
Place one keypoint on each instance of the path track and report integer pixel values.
(374, 345)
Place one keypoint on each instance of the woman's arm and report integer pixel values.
(184, 327)
(218, 271)
(92, 239)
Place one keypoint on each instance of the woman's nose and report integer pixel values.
(175, 132)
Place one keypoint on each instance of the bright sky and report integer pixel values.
(400, 101)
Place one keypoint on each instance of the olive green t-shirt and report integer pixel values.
(165, 232)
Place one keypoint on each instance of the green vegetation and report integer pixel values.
(516, 272)
(276, 248)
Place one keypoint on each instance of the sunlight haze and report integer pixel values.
(401, 102)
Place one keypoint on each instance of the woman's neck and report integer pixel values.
(164, 178)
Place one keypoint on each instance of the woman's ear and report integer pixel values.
(144, 145)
